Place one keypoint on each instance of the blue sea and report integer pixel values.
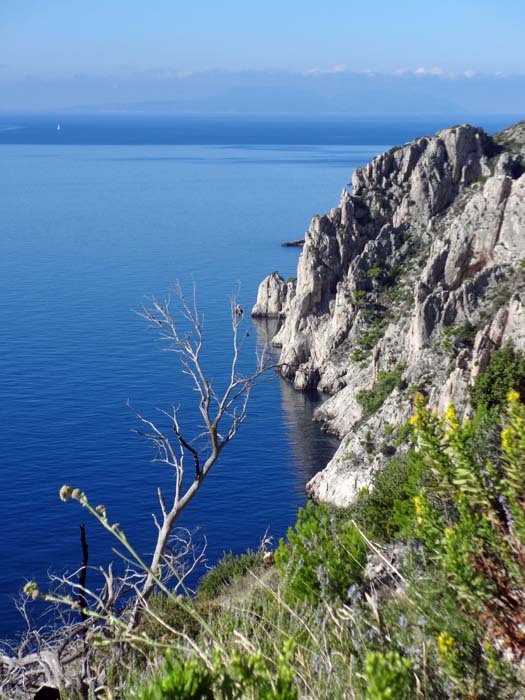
(94, 218)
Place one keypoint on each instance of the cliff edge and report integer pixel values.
(409, 284)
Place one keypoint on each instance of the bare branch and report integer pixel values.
(222, 414)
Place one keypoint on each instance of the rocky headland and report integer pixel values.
(408, 285)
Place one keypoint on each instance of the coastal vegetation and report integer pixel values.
(372, 399)
(429, 609)
(416, 591)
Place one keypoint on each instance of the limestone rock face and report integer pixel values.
(274, 297)
(424, 177)
(410, 283)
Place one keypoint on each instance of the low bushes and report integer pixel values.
(448, 626)
(238, 677)
(386, 510)
(228, 570)
(388, 676)
(372, 399)
(324, 555)
(505, 371)
(471, 518)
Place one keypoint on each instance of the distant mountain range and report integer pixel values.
(272, 92)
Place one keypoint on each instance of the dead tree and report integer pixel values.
(222, 415)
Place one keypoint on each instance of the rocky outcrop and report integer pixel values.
(293, 244)
(274, 297)
(408, 284)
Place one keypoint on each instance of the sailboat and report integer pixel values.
(58, 127)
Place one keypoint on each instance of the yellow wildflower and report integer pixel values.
(419, 509)
(451, 414)
(419, 400)
(513, 396)
(507, 439)
(415, 419)
(445, 644)
(451, 420)
(449, 532)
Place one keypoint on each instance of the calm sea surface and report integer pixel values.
(95, 217)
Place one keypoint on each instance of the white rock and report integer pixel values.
(274, 297)
(470, 238)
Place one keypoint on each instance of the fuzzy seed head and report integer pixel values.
(65, 493)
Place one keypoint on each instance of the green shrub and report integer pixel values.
(182, 613)
(458, 337)
(374, 272)
(387, 509)
(465, 334)
(505, 371)
(388, 677)
(292, 279)
(471, 519)
(359, 297)
(403, 434)
(369, 338)
(325, 554)
(359, 354)
(239, 676)
(372, 399)
(227, 571)
(181, 680)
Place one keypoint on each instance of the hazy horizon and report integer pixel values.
(278, 92)
(293, 57)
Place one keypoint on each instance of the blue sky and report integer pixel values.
(57, 37)
(74, 48)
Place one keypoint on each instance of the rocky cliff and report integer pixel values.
(407, 285)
